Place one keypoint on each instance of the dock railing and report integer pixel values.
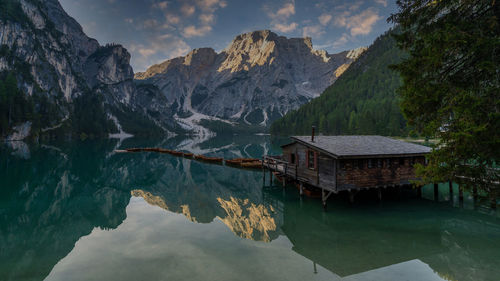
(277, 164)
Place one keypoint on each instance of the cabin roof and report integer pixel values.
(362, 146)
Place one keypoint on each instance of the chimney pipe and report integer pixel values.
(312, 134)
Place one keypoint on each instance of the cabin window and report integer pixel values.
(412, 161)
(292, 158)
(387, 163)
(370, 163)
(342, 165)
(380, 163)
(311, 159)
(358, 164)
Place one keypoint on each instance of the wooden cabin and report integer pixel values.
(338, 163)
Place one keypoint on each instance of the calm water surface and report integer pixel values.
(79, 211)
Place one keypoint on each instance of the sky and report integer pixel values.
(156, 30)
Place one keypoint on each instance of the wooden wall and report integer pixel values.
(333, 174)
(323, 175)
(351, 176)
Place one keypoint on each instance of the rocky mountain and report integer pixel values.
(258, 78)
(362, 101)
(67, 80)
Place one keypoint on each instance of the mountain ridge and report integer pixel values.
(87, 88)
(259, 77)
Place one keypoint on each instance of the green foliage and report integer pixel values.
(14, 106)
(451, 85)
(136, 123)
(363, 100)
(89, 116)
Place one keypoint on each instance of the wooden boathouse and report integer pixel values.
(333, 164)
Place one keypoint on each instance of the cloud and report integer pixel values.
(283, 13)
(207, 18)
(193, 31)
(160, 5)
(360, 24)
(341, 41)
(150, 23)
(211, 5)
(285, 28)
(173, 19)
(287, 10)
(279, 18)
(312, 31)
(188, 10)
(161, 48)
(381, 2)
(324, 19)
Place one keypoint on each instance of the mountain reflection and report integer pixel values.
(55, 194)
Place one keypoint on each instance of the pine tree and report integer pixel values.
(451, 84)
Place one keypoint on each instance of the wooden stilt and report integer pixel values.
(323, 199)
(284, 181)
(263, 176)
(436, 192)
(461, 195)
(301, 189)
(493, 201)
(450, 184)
(475, 197)
(379, 191)
(351, 196)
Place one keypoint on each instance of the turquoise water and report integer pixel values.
(79, 211)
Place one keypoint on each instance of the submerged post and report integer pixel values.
(379, 191)
(270, 177)
(450, 184)
(419, 191)
(301, 189)
(263, 175)
(461, 195)
(351, 196)
(493, 201)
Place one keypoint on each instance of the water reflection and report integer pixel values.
(61, 193)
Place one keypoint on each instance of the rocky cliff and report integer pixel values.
(258, 78)
(56, 65)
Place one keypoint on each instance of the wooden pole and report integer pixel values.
(270, 177)
(301, 189)
(263, 175)
(450, 184)
(475, 197)
(436, 192)
(323, 199)
(379, 191)
(493, 201)
(461, 195)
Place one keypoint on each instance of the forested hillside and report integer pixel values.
(362, 101)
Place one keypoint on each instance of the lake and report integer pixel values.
(79, 211)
